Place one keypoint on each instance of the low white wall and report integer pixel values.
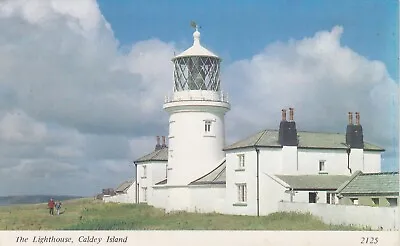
(128, 197)
(375, 217)
(121, 198)
(159, 197)
(207, 199)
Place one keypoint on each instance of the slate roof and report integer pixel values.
(216, 176)
(371, 183)
(162, 182)
(314, 140)
(124, 186)
(160, 155)
(314, 182)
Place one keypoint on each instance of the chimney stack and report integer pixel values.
(350, 118)
(291, 114)
(354, 133)
(287, 129)
(357, 118)
(283, 114)
(158, 146)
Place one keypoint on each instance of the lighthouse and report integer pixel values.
(196, 108)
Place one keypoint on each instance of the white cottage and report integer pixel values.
(198, 172)
(124, 193)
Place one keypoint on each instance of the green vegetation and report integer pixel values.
(89, 214)
(31, 199)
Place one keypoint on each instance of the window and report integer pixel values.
(312, 197)
(354, 201)
(375, 201)
(242, 193)
(328, 198)
(333, 199)
(144, 191)
(144, 171)
(241, 161)
(207, 126)
(392, 202)
(322, 166)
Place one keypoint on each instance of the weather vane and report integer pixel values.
(194, 25)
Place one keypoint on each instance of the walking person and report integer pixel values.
(58, 207)
(51, 205)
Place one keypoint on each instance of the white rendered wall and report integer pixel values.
(271, 161)
(372, 161)
(128, 197)
(386, 217)
(335, 161)
(290, 159)
(281, 161)
(160, 196)
(207, 199)
(357, 160)
(271, 192)
(235, 176)
(194, 152)
(155, 172)
(178, 199)
(303, 196)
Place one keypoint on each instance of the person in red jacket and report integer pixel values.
(51, 205)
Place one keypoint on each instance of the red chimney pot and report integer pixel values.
(350, 118)
(283, 114)
(291, 114)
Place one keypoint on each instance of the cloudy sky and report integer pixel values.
(82, 82)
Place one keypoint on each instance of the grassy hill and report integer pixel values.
(31, 199)
(89, 214)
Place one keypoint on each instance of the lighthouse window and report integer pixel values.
(207, 126)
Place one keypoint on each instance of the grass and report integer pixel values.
(89, 214)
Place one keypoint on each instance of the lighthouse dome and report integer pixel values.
(196, 49)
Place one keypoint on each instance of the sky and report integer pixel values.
(82, 82)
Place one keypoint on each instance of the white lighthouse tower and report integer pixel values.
(197, 108)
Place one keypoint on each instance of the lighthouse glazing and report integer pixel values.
(197, 109)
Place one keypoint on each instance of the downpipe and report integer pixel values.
(348, 150)
(258, 181)
(136, 185)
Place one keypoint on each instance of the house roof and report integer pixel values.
(162, 182)
(314, 182)
(124, 186)
(216, 176)
(371, 183)
(157, 155)
(314, 140)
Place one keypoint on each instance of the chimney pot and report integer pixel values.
(163, 141)
(350, 118)
(283, 114)
(158, 140)
(291, 114)
(357, 118)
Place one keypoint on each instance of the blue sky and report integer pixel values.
(244, 28)
(371, 26)
(83, 82)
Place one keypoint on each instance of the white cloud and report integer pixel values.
(321, 79)
(75, 110)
